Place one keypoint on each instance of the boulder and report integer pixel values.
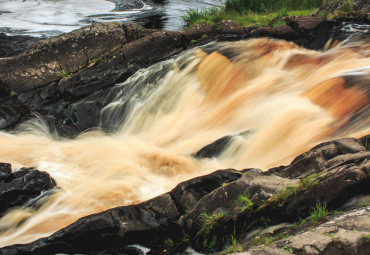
(19, 187)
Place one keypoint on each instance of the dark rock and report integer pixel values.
(5, 170)
(197, 31)
(214, 149)
(11, 112)
(86, 115)
(188, 193)
(21, 186)
(123, 5)
(52, 59)
(144, 224)
(306, 24)
(230, 27)
(313, 161)
(280, 32)
(13, 45)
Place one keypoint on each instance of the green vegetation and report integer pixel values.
(366, 238)
(319, 213)
(288, 249)
(235, 246)
(244, 202)
(309, 181)
(365, 141)
(253, 12)
(209, 222)
(13, 93)
(168, 243)
(64, 74)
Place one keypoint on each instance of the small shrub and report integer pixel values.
(13, 93)
(319, 213)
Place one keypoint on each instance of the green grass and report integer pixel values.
(366, 238)
(245, 204)
(235, 246)
(253, 12)
(365, 141)
(209, 222)
(288, 249)
(64, 74)
(319, 213)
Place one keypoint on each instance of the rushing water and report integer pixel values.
(45, 18)
(287, 98)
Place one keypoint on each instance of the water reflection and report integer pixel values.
(45, 18)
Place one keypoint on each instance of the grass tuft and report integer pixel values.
(244, 202)
(319, 213)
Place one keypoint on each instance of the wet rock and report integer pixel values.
(11, 112)
(188, 193)
(21, 186)
(123, 5)
(214, 149)
(13, 45)
(110, 230)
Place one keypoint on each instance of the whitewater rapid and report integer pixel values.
(275, 99)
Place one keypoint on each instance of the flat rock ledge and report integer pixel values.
(249, 207)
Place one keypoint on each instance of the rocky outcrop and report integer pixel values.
(22, 187)
(209, 212)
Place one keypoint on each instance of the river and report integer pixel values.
(46, 18)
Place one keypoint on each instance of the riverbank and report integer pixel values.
(74, 77)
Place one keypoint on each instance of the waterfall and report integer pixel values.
(272, 99)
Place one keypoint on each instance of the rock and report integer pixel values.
(230, 27)
(214, 149)
(11, 112)
(187, 193)
(56, 58)
(13, 45)
(110, 230)
(345, 234)
(123, 5)
(280, 32)
(21, 186)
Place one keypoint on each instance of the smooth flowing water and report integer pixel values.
(276, 99)
(45, 18)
